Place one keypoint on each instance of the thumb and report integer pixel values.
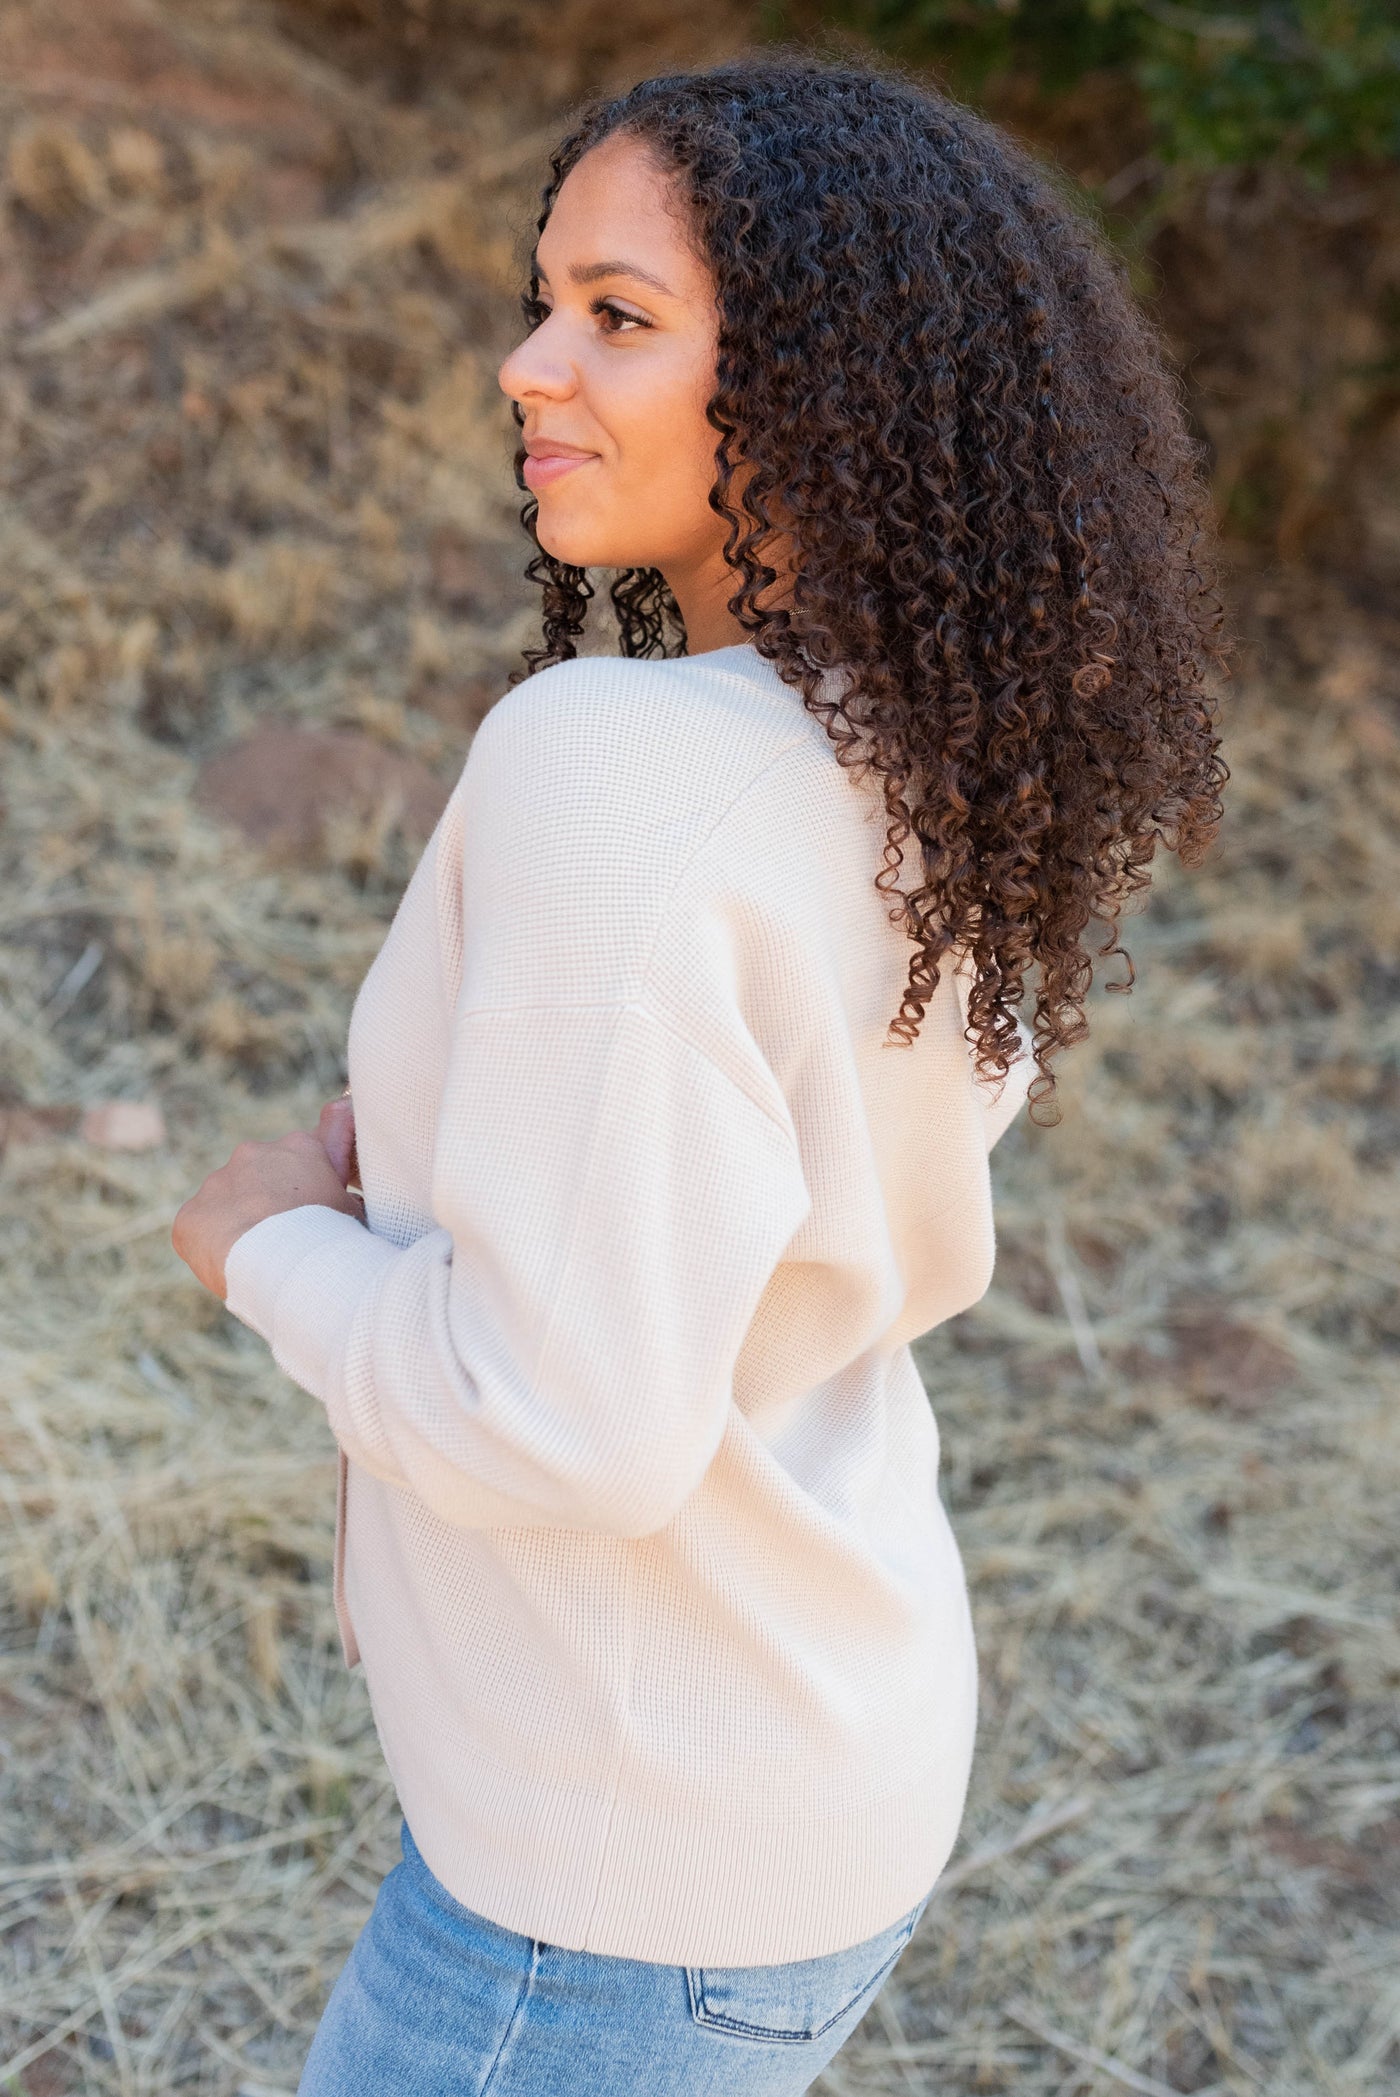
(336, 1129)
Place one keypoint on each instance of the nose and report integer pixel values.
(537, 366)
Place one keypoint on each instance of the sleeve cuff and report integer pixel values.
(298, 1278)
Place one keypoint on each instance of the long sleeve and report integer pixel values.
(560, 1349)
(608, 1197)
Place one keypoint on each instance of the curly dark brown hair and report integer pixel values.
(947, 398)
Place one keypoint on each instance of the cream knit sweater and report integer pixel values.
(640, 1541)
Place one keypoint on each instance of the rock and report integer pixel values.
(279, 784)
(20, 1124)
(124, 1124)
(1226, 1364)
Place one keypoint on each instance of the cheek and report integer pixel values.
(647, 506)
(656, 413)
(661, 412)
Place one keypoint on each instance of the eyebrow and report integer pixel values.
(590, 272)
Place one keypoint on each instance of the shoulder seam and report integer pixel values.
(776, 758)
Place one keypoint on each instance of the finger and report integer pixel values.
(336, 1131)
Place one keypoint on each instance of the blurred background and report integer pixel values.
(260, 578)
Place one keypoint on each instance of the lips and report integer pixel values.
(550, 462)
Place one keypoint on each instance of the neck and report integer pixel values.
(700, 596)
(701, 593)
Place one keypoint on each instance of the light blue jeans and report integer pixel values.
(435, 2001)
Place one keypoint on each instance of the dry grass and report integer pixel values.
(258, 466)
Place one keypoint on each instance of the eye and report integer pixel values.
(605, 305)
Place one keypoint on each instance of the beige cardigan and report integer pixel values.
(640, 1542)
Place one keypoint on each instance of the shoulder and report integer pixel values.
(594, 738)
(589, 790)
(626, 700)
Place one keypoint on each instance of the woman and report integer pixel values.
(668, 1146)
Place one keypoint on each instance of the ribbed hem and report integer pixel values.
(630, 1880)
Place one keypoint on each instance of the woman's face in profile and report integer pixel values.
(618, 373)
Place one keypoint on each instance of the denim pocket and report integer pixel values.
(799, 2000)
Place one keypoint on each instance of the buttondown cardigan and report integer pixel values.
(639, 1538)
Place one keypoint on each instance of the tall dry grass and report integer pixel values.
(259, 468)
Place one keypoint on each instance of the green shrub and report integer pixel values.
(1308, 82)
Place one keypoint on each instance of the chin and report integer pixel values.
(580, 545)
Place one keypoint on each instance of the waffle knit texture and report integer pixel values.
(639, 1537)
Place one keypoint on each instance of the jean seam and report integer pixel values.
(516, 2014)
(717, 2021)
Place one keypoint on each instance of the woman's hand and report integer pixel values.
(336, 1130)
(263, 1179)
